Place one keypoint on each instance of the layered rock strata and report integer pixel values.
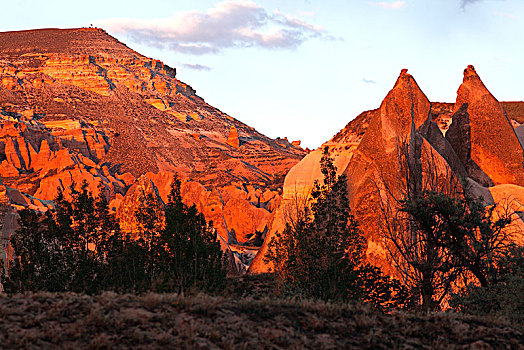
(78, 105)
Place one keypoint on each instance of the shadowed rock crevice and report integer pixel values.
(459, 136)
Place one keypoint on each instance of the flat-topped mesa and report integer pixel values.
(78, 104)
(75, 41)
(149, 116)
(483, 137)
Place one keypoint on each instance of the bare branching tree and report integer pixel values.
(437, 233)
(424, 266)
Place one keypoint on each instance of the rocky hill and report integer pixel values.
(477, 138)
(77, 104)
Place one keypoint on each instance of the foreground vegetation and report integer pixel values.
(449, 248)
(320, 253)
(109, 320)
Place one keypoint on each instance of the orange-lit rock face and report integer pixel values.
(476, 132)
(149, 117)
(300, 179)
(134, 199)
(402, 116)
(39, 157)
(232, 138)
(236, 211)
(483, 136)
(79, 105)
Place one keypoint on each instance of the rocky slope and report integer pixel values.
(473, 139)
(78, 105)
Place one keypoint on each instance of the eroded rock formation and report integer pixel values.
(483, 135)
(79, 105)
(473, 139)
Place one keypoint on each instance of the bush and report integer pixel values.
(503, 296)
(186, 250)
(65, 249)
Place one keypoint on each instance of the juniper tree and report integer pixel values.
(189, 254)
(320, 252)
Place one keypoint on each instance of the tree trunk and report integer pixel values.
(428, 304)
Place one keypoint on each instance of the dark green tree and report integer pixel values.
(477, 236)
(124, 260)
(188, 253)
(36, 256)
(74, 247)
(79, 247)
(319, 254)
(52, 249)
(151, 223)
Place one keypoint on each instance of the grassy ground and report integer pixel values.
(108, 321)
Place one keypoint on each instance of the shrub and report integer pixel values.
(79, 247)
(503, 296)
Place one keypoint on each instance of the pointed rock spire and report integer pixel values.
(482, 135)
(232, 139)
(404, 104)
(473, 89)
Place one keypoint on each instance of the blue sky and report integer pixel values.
(305, 68)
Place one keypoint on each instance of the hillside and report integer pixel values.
(77, 104)
(202, 322)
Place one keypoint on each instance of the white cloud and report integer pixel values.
(368, 81)
(230, 24)
(196, 66)
(389, 5)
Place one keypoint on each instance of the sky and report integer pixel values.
(302, 69)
